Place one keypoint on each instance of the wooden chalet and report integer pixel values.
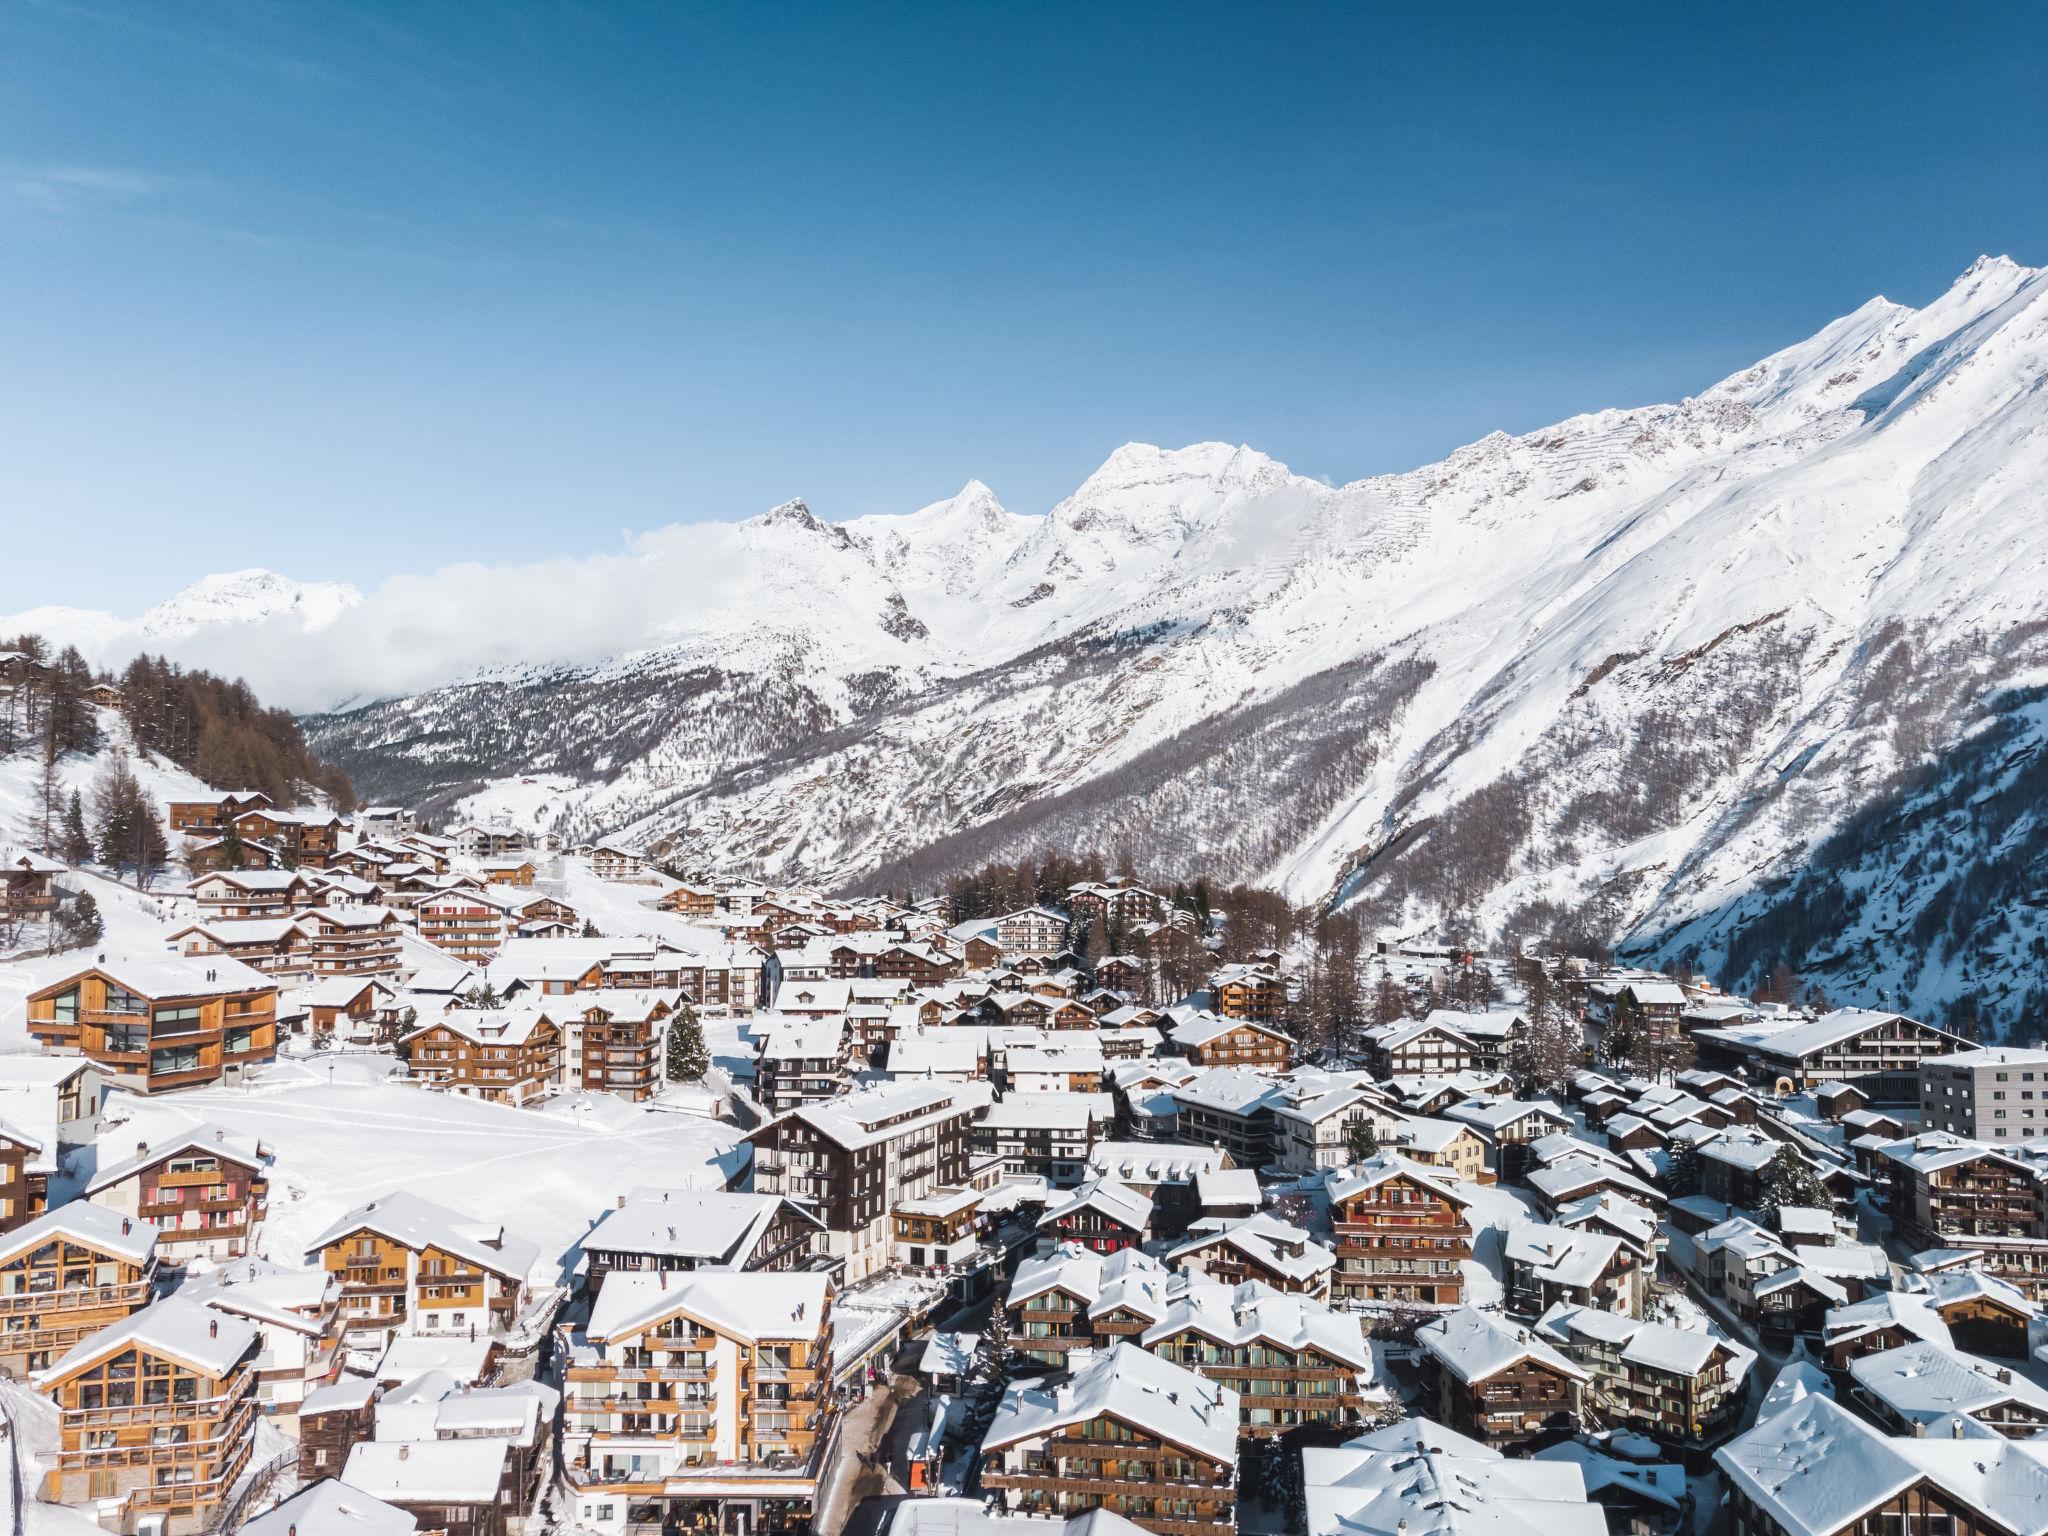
(205, 1190)
(160, 1022)
(1402, 1234)
(65, 1276)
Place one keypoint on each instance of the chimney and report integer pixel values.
(141, 1147)
(213, 1328)
(403, 1451)
(124, 1226)
(1919, 1430)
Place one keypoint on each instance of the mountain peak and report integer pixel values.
(247, 597)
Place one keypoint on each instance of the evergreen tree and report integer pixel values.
(1622, 1041)
(232, 854)
(1682, 1178)
(1790, 1180)
(76, 843)
(688, 1057)
(1361, 1140)
(80, 924)
(484, 996)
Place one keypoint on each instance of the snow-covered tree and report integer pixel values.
(688, 1057)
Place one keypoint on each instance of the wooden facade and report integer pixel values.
(64, 1278)
(166, 1027)
(1402, 1239)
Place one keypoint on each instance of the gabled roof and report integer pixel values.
(743, 1304)
(1476, 1346)
(415, 1223)
(1568, 1256)
(1375, 1171)
(1106, 1197)
(82, 1221)
(186, 1331)
(1132, 1386)
(332, 1508)
(713, 1227)
(213, 1140)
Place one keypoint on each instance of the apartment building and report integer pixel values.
(682, 1230)
(66, 1276)
(853, 1159)
(1494, 1380)
(503, 1056)
(157, 1419)
(1402, 1234)
(409, 1266)
(1945, 1191)
(1124, 1431)
(1684, 1388)
(1993, 1094)
(205, 1190)
(699, 1398)
(160, 1022)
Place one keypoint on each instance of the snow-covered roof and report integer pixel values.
(1657, 1346)
(716, 1227)
(1148, 1162)
(93, 1225)
(872, 1115)
(1569, 1256)
(417, 1223)
(1375, 1171)
(742, 1304)
(1132, 1385)
(971, 1517)
(1106, 1196)
(1421, 1478)
(1816, 1469)
(213, 1140)
(428, 1471)
(183, 1330)
(163, 978)
(1903, 1310)
(1922, 1381)
(1476, 1346)
(332, 1508)
(1267, 1241)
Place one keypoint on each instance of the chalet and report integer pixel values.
(28, 885)
(1261, 1247)
(1883, 1321)
(459, 1485)
(734, 1429)
(1417, 1048)
(409, 1266)
(1103, 1215)
(1253, 993)
(1496, 1381)
(852, 1160)
(1402, 1234)
(274, 946)
(1123, 1428)
(1508, 1126)
(251, 892)
(1209, 1041)
(1917, 1386)
(689, 901)
(1683, 1387)
(1947, 1192)
(1039, 1135)
(157, 1418)
(351, 940)
(161, 1022)
(212, 816)
(205, 1190)
(800, 1061)
(358, 1010)
(608, 861)
(509, 869)
(477, 842)
(1288, 1359)
(1548, 1264)
(1123, 974)
(65, 1276)
(1816, 1469)
(297, 1317)
(682, 1230)
(504, 1056)
(1983, 1314)
(1120, 902)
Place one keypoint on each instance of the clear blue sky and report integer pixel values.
(348, 290)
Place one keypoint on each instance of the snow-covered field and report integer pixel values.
(343, 1133)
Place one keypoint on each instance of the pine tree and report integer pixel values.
(76, 844)
(688, 1057)
(44, 825)
(80, 924)
(1790, 1180)
(1682, 1178)
(232, 854)
(1361, 1140)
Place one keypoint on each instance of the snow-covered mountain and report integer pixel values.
(210, 604)
(1631, 671)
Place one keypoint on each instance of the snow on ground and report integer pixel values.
(530, 802)
(343, 1134)
(136, 923)
(1494, 1208)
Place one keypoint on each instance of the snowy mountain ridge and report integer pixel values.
(1630, 672)
(218, 602)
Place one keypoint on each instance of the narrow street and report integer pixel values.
(863, 1481)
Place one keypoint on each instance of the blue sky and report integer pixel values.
(354, 290)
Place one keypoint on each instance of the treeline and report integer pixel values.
(52, 715)
(218, 729)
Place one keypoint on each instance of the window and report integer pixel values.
(64, 1006)
(180, 1058)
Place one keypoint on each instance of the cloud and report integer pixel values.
(61, 188)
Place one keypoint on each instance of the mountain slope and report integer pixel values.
(1631, 670)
